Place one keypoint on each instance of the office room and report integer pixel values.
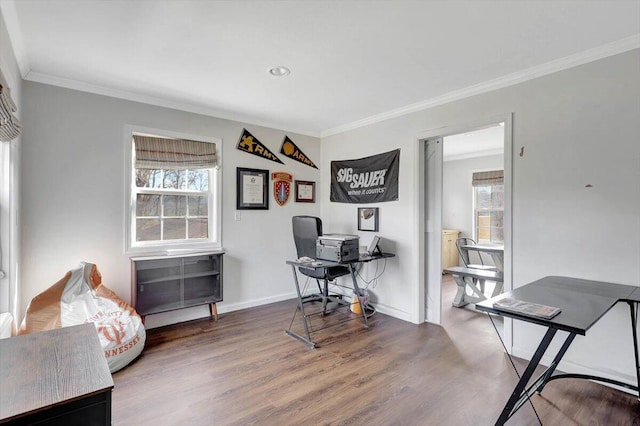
(85, 82)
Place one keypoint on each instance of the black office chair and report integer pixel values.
(306, 230)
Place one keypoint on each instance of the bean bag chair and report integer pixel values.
(79, 297)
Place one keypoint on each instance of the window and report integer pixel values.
(174, 192)
(488, 206)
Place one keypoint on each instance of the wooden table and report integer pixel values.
(55, 377)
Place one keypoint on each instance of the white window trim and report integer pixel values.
(215, 204)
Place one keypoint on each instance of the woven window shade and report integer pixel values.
(494, 177)
(10, 127)
(153, 152)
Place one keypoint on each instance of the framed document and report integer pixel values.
(252, 191)
(368, 219)
(305, 191)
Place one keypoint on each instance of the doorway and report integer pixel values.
(449, 156)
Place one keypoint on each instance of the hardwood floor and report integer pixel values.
(244, 369)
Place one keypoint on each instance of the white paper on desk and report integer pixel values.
(510, 304)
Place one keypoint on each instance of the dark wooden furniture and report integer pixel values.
(582, 304)
(169, 282)
(55, 377)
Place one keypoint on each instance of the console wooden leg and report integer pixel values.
(213, 309)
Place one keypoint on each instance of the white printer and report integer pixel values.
(338, 247)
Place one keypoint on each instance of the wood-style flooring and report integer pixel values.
(244, 369)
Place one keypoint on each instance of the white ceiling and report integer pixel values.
(352, 62)
(477, 143)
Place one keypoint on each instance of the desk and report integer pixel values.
(496, 251)
(582, 304)
(55, 377)
(317, 264)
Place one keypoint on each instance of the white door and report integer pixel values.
(433, 227)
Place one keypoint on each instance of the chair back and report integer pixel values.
(306, 230)
(464, 254)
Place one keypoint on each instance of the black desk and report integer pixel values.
(316, 264)
(582, 304)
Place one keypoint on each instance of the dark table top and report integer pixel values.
(582, 302)
(635, 296)
(49, 368)
(316, 263)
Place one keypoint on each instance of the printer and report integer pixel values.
(338, 247)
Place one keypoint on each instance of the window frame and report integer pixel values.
(214, 241)
(474, 192)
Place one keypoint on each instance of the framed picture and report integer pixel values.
(368, 219)
(305, 191)
(252, 191)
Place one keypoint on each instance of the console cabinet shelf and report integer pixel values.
(168, 282)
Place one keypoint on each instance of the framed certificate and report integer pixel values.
(252, 191)
(305, 191)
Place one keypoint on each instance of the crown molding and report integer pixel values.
(594, 54)
(474, 154)
(165, 103)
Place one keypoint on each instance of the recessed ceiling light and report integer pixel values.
(279, 71)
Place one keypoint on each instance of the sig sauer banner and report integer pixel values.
(366, 180)
(248, 143)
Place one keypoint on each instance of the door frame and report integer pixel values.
(429, 291)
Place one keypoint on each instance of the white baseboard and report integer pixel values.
(392, 312)
(197, 312)
(575, 368)
(222, 307)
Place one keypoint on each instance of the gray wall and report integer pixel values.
(73, 206)
(577, 127)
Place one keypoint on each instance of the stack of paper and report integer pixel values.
(510, 304)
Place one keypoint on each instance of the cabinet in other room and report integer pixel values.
(449, 249)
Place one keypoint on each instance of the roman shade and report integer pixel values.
(494, 177)
(154, 152)
(10, 127)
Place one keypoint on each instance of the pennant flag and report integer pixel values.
(248, 143)
(291, 150)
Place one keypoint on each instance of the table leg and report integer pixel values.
(306, 340)
(518, 396)
(498, 260)
(458, 300)
(357, 292)
(634, 325)
(546, 376)
(497, 289)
